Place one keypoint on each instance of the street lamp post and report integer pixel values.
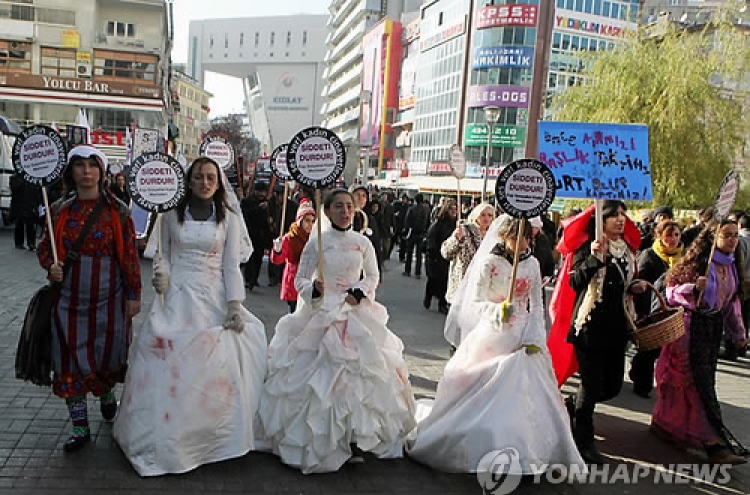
(366, 99)
(491, 115)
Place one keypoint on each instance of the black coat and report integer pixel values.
(435, 265)
(25, 199)
(607, 326)
(257, 219)
(650, 268)
(541, 248)
(416, 222)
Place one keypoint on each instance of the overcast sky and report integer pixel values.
(227, 90)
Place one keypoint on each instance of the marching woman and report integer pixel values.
(460, 249)
(687, 411)
(100, 291)
(337, 382)
(653, 263)
(594, 277)
(198, 363)
(436, 265)
(289, 250)
(498, 391)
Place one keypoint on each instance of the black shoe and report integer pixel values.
(109, 410)
(32, 248)
(358, 455)
(452, 351)
(443, 308)
(417, 276)
(591, 455)
(406, 274)
(20, 247)
(76, 443)
(646, 394)
(427, 302)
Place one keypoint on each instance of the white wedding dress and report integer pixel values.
(192, 387)
(494, 395)
(336, 374)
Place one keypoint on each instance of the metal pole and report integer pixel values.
(489, 161)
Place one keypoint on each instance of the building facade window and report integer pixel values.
(120, 29)
(58, 62)
(126, 66)
(15, 56)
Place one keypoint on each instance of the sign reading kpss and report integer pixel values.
(316, 157)
(219, 150)
(525, 188)
(39, 155)
(156, 182)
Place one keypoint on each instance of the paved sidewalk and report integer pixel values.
(34, 424)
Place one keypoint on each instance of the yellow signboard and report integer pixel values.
(83, 57)
(71, 38)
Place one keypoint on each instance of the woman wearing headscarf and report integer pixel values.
(498, 391)
(287, 251)
(598, 271)
(100, 291)
(460, 249)
(664, 252)
(687, 411)
(337, 381)
(198, 362)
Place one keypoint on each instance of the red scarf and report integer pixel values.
(297, 240)
(575, 233)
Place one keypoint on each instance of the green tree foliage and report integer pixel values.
(675, 82)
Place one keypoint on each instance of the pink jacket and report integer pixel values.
(288, 292)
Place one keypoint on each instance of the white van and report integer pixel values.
(6, 170)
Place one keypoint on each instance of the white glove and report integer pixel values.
(233, 320)
(277, 245)
(160, 282)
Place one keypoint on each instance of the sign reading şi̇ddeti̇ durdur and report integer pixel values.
(156, 182)
(316, 157)
(39, 155)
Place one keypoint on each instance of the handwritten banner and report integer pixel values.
(591, 160)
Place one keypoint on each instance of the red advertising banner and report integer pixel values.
(507, 15)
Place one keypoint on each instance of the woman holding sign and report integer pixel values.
(594, 276)
(100, 291)
(198, 363)
(498, 391)
(337, 382)
(687, 412)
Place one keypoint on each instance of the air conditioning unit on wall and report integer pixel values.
(83, 70)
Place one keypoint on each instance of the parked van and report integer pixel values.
(6, 170)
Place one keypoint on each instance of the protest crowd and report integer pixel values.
(332, 386)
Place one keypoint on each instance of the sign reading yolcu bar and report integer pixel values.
(501, 96)
(506, 15)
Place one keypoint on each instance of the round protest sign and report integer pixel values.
(156, 182)
(219, 150)
(278, 163)
(727, 195)
(458, 162)
(316, 157)
(39, 155)
(525, 188)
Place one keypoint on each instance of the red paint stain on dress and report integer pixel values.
(173, 391)
(218, 396)
(166, 416)
(162, 347)
(174, 371)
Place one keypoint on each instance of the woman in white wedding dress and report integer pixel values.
(498, 391)
(337, 381)
(197, 365)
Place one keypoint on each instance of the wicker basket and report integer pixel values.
(660, 327)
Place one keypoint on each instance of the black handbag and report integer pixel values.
(34, 352)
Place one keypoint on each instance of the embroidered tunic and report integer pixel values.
(90, 328)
